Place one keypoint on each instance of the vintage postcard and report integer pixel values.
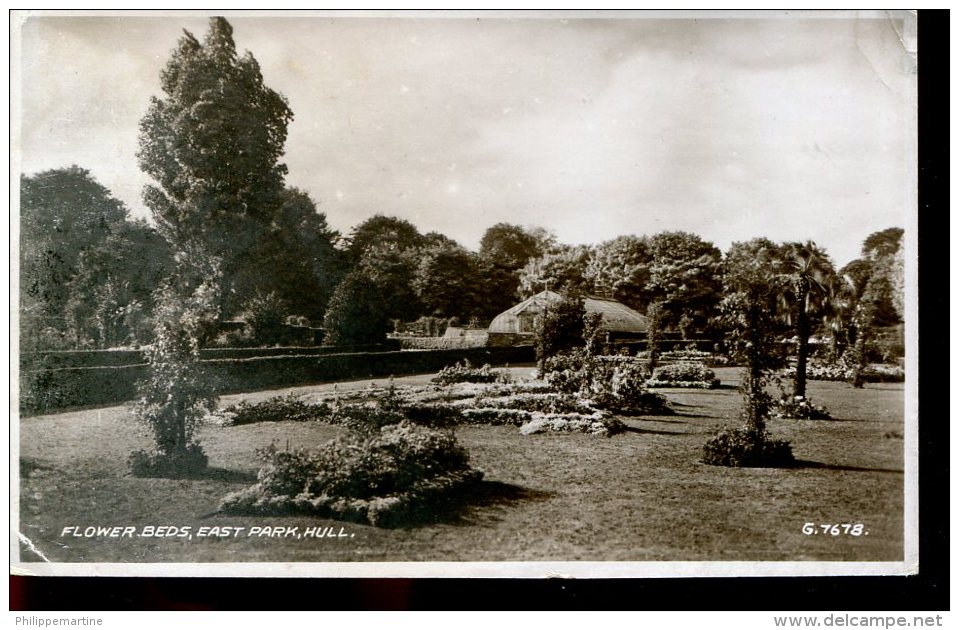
(485, 294)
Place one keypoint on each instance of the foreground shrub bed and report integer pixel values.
(389, 476)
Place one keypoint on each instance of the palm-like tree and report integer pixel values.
(807, 273)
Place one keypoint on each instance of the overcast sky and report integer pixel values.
(785, 128)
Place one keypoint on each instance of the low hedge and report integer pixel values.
(115, 358)
(48, 390)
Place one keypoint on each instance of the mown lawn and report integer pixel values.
(642, 495)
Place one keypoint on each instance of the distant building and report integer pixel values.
(516, 325)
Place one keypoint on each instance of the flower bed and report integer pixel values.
(598, 423)
(464, 372)
(275, 409)
(839, 371)
(387, 477)
(685, 374)
(798, 408)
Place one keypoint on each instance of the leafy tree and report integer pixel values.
(357, 313)
(510, 246)
(654, 333)
(446, 280)
(807, 274)
(265, 313)
(295, 258)
(63, 214)
(749, 310)
(112, 293)
(393, 271)
(560, 270)
(504, 250)
(176, 396)
(87, 271)
(382, 232)
(559, 328)
(213, 144)
(870, 295)
(622, 267)
(685, 275)
(883, 243)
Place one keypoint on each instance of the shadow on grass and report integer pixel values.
(801, 463)
(224, 474)
(654, 432)
(462, 509)
(706, 416)
(208, 474)
(30, 466)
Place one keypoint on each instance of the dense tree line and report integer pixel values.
(213, 143)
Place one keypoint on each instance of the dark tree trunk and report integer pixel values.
(802, 352)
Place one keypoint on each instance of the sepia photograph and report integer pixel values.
(464, 294)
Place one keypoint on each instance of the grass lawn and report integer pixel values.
(642, 495)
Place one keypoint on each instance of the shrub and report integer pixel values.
(464, 372)
(275, 409)
(799, 408)
(264, 314)
(609, 383)
(569, 372)
(597, 424)
(357, 313)
(684, 374)
(177, 396)
(743, 447)
(389, 477)
(560, 328)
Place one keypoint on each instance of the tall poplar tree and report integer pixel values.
(212, 143)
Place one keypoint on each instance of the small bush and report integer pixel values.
(616, 385)
(745, 448)
(464, 372)
(569, 372)
(181, 463)
(389, 477)
(685, 374)
(622, 389)
(275, 409)
(799, 408)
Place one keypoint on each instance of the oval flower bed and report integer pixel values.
(684, 374)
(387, 477)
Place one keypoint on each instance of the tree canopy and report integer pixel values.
(213, 144)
